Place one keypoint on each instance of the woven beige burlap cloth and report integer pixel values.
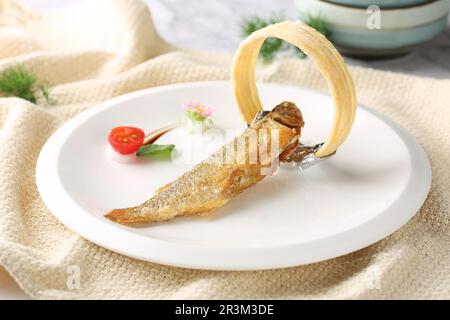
(100, 49)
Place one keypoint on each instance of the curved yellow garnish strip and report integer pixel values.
(326, 58)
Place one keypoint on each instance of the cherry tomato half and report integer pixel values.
(126, 140)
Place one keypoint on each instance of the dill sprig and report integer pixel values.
(316, 23)
(273, 45)
(18, 82)
(319, 24)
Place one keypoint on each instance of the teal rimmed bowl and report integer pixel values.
(380, 3)
(383, 43)
(398, 32)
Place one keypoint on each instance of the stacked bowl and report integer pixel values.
(378, 28)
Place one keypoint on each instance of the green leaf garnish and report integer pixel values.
(19, 82)
(156, 151)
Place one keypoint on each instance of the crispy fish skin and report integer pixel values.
(213, 182)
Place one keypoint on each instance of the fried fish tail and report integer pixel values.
(226, 173)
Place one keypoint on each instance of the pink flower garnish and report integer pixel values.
(198, 109)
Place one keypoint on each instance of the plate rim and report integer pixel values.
(163, 252)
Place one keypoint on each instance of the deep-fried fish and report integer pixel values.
(235, 167)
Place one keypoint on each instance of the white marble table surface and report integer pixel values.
(214, 25)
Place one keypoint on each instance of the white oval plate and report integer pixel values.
(374, 184)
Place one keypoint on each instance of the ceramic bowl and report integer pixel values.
(400, 30)
(380, 3)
